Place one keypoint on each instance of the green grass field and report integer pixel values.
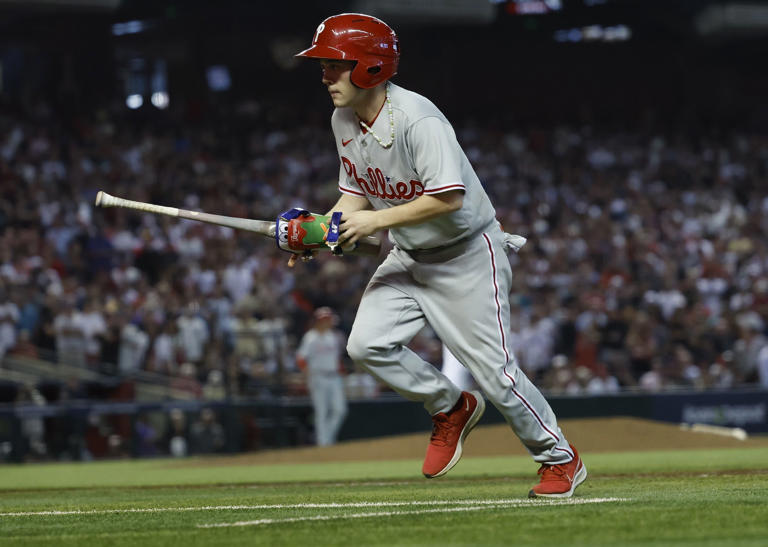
(694, 497)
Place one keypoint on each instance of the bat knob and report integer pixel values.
(99, 197)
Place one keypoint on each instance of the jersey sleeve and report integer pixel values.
(436, 155)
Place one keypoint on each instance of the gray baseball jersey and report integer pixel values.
(451, 272)
(425, 158)
(322, 351)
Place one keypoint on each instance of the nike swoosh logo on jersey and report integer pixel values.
(345, 143)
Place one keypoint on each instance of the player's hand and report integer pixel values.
(306, 257)
(357, 225)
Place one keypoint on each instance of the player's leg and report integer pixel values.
(466, 304)
(387, 319)
(455, 371)
(318, 393)
(337, 407)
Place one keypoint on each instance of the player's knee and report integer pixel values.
(362, 351)
(357, 349)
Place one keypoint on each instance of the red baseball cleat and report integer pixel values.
(449, 431)
(559, 481)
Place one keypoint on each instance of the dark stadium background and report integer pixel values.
(667, 65)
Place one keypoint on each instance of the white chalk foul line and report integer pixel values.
(353, 505)
(478, 505)
(132, 510)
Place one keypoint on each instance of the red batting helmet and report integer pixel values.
(357, 37)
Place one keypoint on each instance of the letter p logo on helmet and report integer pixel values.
(320, 28)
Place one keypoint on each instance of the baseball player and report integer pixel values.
(319, 356)
(403, 170)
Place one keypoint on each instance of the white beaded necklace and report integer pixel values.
(391, 123)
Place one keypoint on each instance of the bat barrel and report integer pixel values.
(105, 200)
(263, 227)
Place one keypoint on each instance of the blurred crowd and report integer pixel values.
(646, 267)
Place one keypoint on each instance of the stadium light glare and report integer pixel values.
(218, 78)
(160, 99)
(594, 33)
(134, 101)
(531, 7)
(129, 27)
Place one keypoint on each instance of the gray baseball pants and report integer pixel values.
(462, 292)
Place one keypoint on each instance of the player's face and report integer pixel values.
(336, 76)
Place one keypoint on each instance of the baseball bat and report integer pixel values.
(367, 246)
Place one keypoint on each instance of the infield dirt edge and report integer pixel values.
(589, 435)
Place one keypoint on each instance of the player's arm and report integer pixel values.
(301, 353)
(350, 204)
(361, 223)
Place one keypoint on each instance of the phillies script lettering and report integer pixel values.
(378, 185)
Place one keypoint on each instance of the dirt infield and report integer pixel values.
(589, 435)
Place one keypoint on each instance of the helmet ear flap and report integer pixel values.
(370, 76)
(361, 75)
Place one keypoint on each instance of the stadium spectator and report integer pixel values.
(642, 240)
(165, 346)
(145, 437)
(358, 384)
(94, 326)
(747, 347)
(762, 367)
(206, 434)
(32, 426)
(24, 346)
(193, 334)
(214, 388)
(134, 343)
(186, 385)
(9, 317)
(70, 334)
(177, 434)
(247, 338)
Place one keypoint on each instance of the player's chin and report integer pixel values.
(338, 100)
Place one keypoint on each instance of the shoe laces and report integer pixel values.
(551, 472)
(442, 428)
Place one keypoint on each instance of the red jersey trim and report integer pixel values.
(353, 192)
(445, 188)
(503, 341)
(376, 117)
